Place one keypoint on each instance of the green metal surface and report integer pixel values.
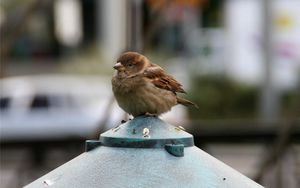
(145, 132)
(121, 159)
(175, 149)
(131, 134)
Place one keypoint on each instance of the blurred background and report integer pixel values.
(239, 60)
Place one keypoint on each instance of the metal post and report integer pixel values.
(134, 26)
(269, 104)
(112, 27)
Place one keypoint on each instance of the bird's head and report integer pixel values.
(131, 63)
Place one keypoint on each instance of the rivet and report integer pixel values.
(146, 132)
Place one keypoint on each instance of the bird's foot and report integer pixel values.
(150, 115)
(124, 121)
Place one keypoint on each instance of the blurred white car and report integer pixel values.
(54, 107)
(59, 107)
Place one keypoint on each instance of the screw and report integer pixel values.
(178, 128)
(146, 132)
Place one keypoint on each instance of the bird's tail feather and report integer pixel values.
(186, 102)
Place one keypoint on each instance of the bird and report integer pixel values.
(144, 88)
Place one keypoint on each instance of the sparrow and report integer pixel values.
(144, 88)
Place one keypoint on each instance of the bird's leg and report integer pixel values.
(150, 115)
(126, 118)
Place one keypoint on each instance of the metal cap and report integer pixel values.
(144, 152)
(145, 132)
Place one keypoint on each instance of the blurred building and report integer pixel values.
(215, 32)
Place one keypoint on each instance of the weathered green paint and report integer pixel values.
(159, 135)
(130, 134)
(91, 144)
(175, 149)
(124, 157)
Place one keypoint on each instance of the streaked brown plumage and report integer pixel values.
(141, 87)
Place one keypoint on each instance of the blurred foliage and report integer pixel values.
(212, 15)
(291, 103)
(219, 97)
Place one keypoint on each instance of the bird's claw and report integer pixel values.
(150, 115)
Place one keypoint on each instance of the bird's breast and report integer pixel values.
(124, 86)
(138, 96)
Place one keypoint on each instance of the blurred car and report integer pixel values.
(53, 107)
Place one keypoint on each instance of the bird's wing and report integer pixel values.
(162, 80)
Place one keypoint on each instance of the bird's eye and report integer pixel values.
(130, 65)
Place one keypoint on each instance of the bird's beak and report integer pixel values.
(118, 66)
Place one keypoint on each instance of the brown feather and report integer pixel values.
(162, 80)
(186, 102)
